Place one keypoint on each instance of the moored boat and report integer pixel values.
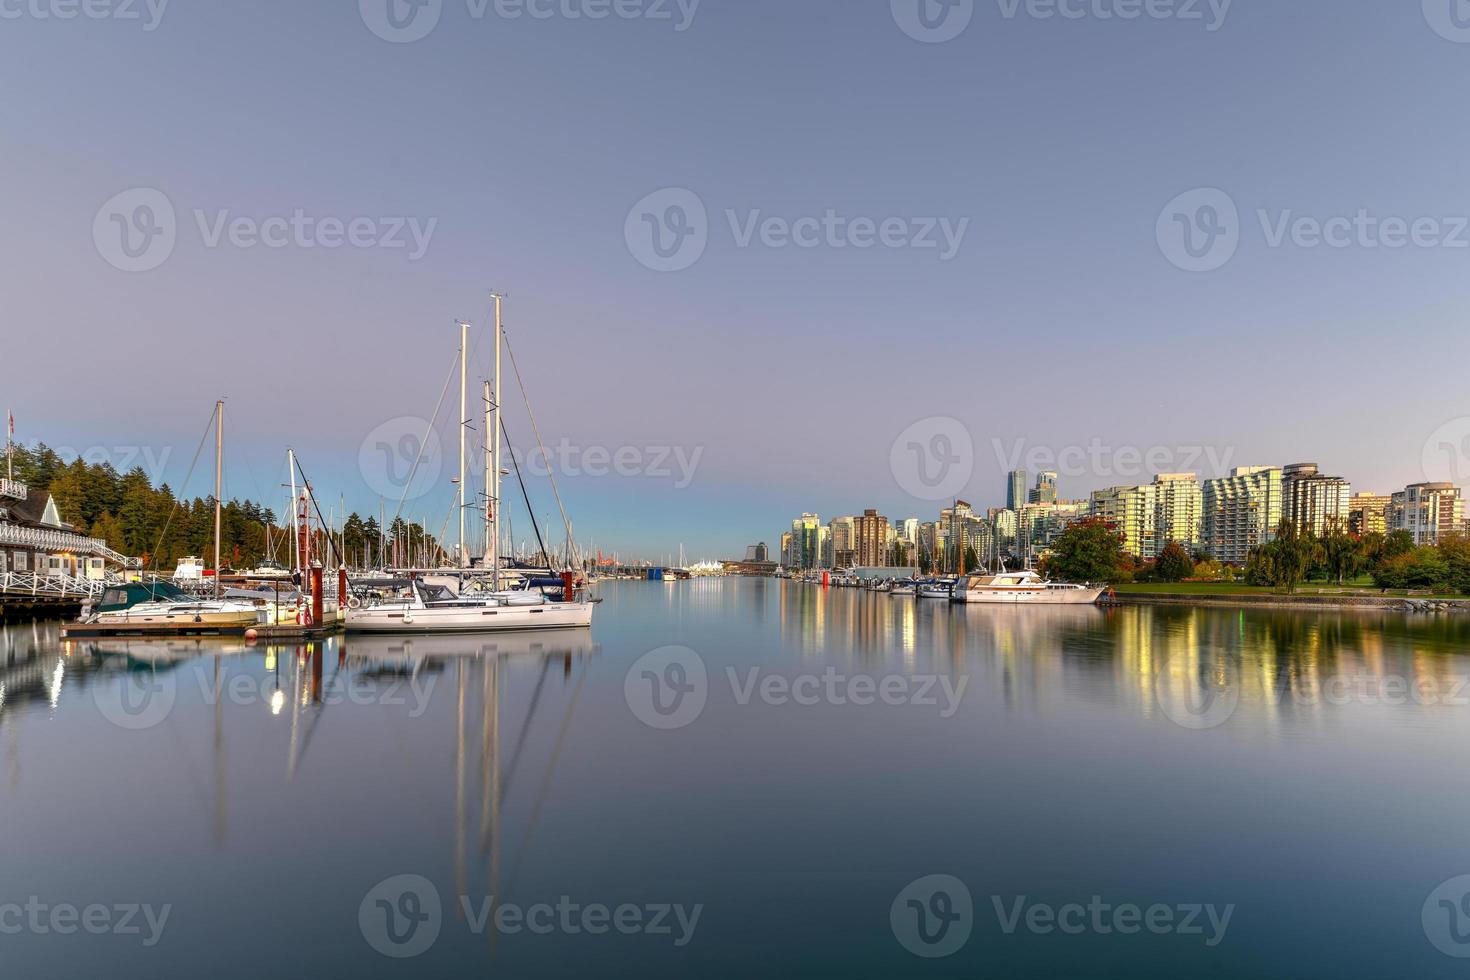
(1023, 587)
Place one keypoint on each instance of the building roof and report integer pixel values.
(37, 510)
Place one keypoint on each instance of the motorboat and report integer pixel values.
(159, 602)
(936, 588)
(1023, 587)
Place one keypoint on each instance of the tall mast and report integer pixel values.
(295, 509)
(492, 488)
(464, 338)
(219, 471)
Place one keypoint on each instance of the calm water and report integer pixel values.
(785, 776)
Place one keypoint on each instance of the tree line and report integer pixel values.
(1091, 550)
(143, 521)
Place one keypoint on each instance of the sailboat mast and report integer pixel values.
(492, 487)
(219, 471)
(464, 337)
(295, 510)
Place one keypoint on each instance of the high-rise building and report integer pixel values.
(1427, 511)
(1314, 502)
(872, 540)
(788, 550)
(1015, 489)
(757, 552)
(1178, 511)
(1045, 491)
(844, 534)
(807, 533)
(1241, 511)
(1132, 511)
(1368, 513)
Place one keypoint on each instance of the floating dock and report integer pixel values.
(261, 632)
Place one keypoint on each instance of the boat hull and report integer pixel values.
(1027, 596)
(395, 618)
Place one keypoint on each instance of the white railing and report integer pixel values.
(13, 489)
(53, 541)
(13, 584)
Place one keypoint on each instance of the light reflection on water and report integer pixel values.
(1306, 766)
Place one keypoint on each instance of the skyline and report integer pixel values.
(1056, 309)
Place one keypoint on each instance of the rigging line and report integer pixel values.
(424, 442)
(519, 479)
(341, 561)
(185, 487)
(550, 470)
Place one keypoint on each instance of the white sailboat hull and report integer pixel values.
(402, 618)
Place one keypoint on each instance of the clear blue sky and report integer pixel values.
(1058, 321)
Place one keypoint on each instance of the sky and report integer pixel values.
(899, 250)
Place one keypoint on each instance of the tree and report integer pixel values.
(1421, 568)
(972, 560)
(1341, 554)
(924, 563)
(108, 529)
(1089, 550)
(1397, 543)
(1455, 548)
(1174, 564)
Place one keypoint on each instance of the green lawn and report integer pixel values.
(1237, 588)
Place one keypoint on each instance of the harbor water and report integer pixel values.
(735, 777)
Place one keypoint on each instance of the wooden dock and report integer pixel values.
(260, 632)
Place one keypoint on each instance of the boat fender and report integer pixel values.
(354, 603)
(407, 618)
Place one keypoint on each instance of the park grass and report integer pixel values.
(1203, 589)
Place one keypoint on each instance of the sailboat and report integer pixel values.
(429, 608)
(159, 604)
